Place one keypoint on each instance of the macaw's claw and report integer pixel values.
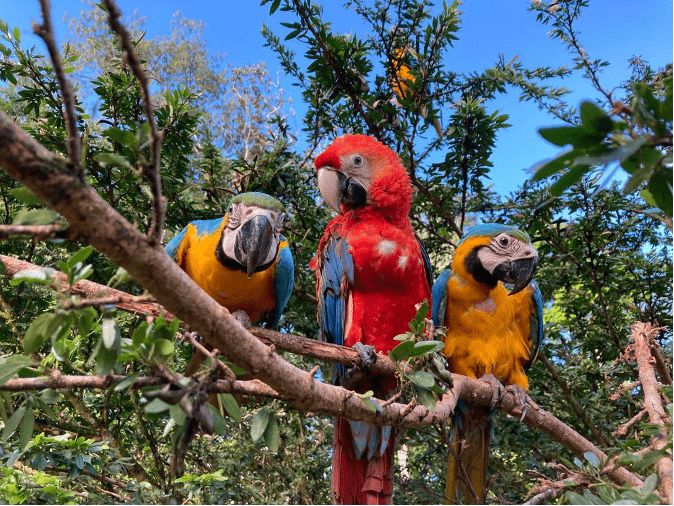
(497, 388)
(242, 317)
(520, 398)
(368, 356)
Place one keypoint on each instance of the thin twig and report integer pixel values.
(150, 170)
(35, 232)
(108, 301)
(46, 32)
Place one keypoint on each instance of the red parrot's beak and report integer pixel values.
(328, 184)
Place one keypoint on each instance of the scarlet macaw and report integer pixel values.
(371, 270)
(241, 260)
(490, 334)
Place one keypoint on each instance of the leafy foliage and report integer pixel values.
(605, 254)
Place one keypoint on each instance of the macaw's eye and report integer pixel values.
(503, 241)
(358, 160)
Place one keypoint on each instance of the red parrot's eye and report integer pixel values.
(357, 161)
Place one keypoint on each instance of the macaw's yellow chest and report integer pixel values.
(230, 287)
(488, 333)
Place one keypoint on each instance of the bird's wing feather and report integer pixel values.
(284, 280)
(439, 296)
(177, 247)
(335, 277)
(536, 324)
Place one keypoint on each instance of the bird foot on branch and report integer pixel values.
(242, 317)
(498, 390)
(368, 356)
(520, 398)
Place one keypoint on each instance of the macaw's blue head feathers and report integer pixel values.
(251, 236)
(492, 252)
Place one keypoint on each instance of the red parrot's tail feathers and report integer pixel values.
(470, 437)
(360, 481)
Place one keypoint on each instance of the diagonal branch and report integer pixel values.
(46, 32)
(151, 169)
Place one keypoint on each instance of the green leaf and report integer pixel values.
(125, 383)
(592, 459)
(403, 337)
(271, 435)
(425, 347)
(660, 188)
(228, 402)
(649, 484)
(114, 160)
(259, 423)
(110, 333)
(422, 378)
(79, 256)
(13, 422)
(35, 217)
(274, 6)
(426, 397)
(613, 155)
(36, 334)
(594, 118)
(38, 276)
(164, 347)
(219, 425)
(25, 194)
(558, 164)
(402, 352)
(577, 136)
(156, 406)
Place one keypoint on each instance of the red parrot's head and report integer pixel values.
(357, 171)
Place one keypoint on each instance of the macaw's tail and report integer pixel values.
(362, 463)
(469, 455)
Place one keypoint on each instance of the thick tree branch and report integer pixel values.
(101, 294)
(644, 335)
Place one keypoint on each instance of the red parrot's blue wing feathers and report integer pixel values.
(335, 276)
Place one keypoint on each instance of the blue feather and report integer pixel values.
(284, 280)
(536, 324)
(439, 297)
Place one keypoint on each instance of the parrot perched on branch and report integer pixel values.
(241, 260)
(371, 271)
(491, 334)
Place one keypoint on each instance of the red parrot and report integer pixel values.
(371, 271)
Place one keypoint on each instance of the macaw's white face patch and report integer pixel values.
(386, 247)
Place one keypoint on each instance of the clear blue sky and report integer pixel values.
(610, 30)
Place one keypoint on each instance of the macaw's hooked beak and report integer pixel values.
(337, 189)
(517, 272)
(253, 242)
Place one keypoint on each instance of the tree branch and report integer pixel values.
(46, 32)
(643, 334)
(151, 170)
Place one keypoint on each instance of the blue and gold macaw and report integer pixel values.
(241, 260)
(491, 334)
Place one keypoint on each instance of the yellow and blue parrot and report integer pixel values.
(241, 260)
(491, 334)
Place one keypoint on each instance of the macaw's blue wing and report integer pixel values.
(284, 280)
(202, 227)
(334, 278)
(536, 324)
(439, 296)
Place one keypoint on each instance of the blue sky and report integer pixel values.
(610, 30)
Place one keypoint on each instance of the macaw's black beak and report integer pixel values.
(253, 242)
(338, 189)
(518, 272)
(352, 194)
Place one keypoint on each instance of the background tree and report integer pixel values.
(605, 256)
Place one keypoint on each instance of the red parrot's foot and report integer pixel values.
(368, 356)
(497, 388)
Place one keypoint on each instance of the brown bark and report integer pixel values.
(643, 335)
